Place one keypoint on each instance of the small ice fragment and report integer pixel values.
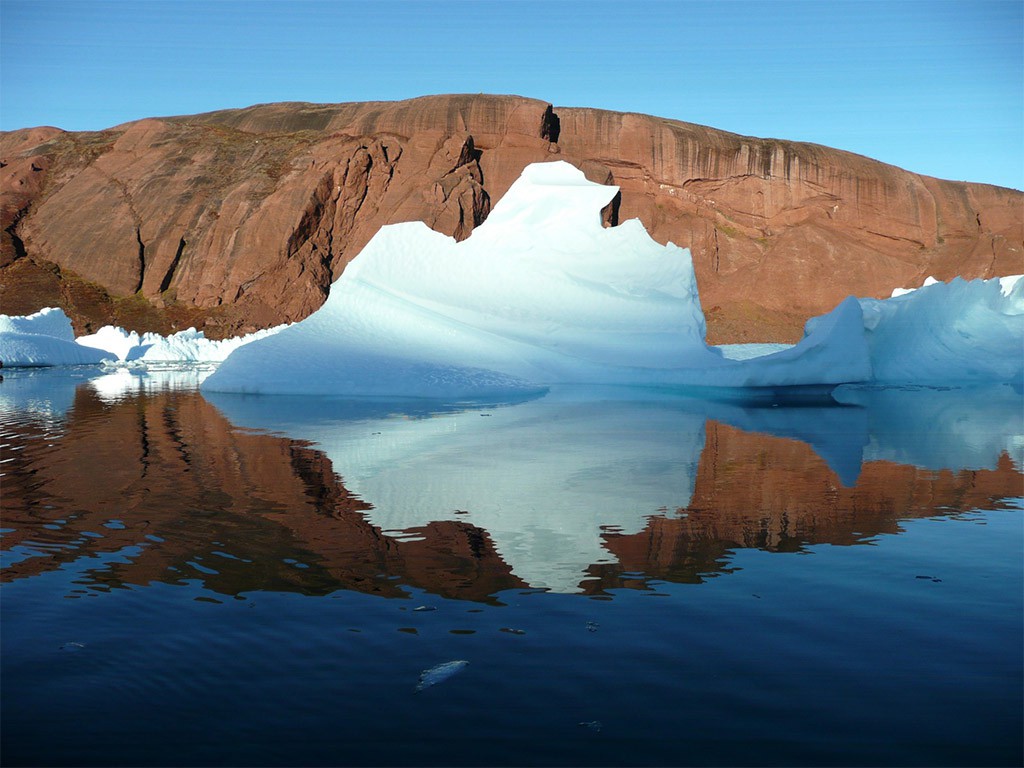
(594, 725)
(439, 674)
(424, 608)
(592, 626)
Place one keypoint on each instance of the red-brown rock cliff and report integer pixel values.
(241, 219)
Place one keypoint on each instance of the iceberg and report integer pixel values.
(539, 294)
(46, 322)
(47, 338)
(42, 339)
(188, 346)
(958, 332)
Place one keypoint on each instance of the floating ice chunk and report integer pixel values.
(192, 346)
(32, 349)
(46, 338)
(124, 344)
(440, 673)
(833, 351)
(188, 346)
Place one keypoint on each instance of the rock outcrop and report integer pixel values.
(241, 219)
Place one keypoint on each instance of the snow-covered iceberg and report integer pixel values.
(539, 294)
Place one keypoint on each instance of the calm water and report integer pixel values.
(634, 578)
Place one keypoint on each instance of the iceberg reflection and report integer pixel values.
(549, 478)
(564, 492)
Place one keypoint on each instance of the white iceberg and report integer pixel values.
(944, 333)
(42, 339)
(539, 294)
(117, 341)
(47, 338)
(46, 322)
(188, 346)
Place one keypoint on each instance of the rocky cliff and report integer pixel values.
(241, 219)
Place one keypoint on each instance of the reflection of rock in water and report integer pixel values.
(756, 491)
(239, 511)
(166, 481)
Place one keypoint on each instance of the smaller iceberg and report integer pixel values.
(47, 338)
(960, 332)
(188, 346)
(42, 339)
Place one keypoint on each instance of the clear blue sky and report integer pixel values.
(936, 87)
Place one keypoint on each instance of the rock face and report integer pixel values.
(241, 219)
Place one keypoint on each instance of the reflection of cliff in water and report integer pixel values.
(167, 483)
(756, 491)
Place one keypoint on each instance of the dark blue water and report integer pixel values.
(633, 580)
